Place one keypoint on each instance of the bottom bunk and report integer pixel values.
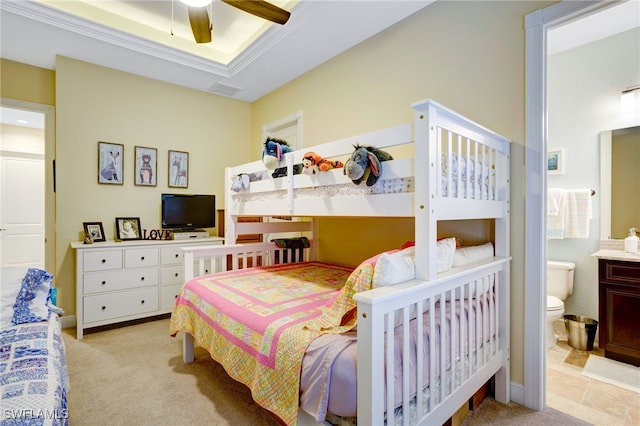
(315, 337)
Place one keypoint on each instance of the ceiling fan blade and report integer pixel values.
(262, 9)
(200, 24)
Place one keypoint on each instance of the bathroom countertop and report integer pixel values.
(617, 255)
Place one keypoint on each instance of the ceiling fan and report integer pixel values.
(199, 17)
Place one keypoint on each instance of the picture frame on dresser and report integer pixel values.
(128, 228)
(110, 161)
(178, 169)
(146, 166)
(94, 230)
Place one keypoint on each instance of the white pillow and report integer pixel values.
(446, 251)
(394, 268)
(10, 283)
(465, 255)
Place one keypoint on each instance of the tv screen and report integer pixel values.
(182, 211)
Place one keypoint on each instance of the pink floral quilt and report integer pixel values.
(258, 322)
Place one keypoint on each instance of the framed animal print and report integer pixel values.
(178, 169)
(146, 166)
(110, 159)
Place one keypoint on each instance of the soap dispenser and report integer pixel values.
(631, 242)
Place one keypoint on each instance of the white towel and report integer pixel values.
(578, 213)
(556, 206)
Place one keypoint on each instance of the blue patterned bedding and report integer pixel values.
(33, 374)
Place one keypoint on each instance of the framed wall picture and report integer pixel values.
(555, 162)
(110, 160)
(94, 230)
(178, 169)
(146, 166)
(128, 228)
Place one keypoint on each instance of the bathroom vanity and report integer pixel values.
(619, 305)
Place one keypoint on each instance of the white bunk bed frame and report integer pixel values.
(437, 132)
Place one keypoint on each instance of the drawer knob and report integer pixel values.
(104, 282)
(104, 308)
(175, 297)
(141, 257)
(141, 278)
(177, 255)
(142, 302)
(176, 274)
(104, 260)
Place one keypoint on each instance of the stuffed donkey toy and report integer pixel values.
(365, 164)
(273, 157)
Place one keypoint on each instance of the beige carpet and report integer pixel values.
(134, 375)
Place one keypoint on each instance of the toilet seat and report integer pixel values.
(554, 304)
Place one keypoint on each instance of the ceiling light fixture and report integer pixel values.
(196, 3)
(628, 101)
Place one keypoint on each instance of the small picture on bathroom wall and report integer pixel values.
(555, 162)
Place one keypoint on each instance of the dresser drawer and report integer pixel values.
(171, 275)
(134, 258)
(120, 304)
(100, 282)
(171, 255)
(168, 296)
(102, 260)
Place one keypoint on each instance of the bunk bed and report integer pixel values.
(457, 317)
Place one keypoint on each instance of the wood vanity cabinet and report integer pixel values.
(619, 309)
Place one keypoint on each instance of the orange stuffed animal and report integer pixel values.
(313, 163)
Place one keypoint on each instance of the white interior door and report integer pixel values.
(22, 236)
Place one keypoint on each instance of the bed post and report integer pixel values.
(187, 348)
(229, 220)
(503, 249)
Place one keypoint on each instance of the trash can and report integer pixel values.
(581, 331)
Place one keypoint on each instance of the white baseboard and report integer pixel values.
(517, 393)
(68, 321)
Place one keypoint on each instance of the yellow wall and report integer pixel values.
(27, 83)
(100, 104)
(466, 55)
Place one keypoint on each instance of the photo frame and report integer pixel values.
(110, 163)
(128, 228)
(94, 230)
(555, 162)
(178, 169)
(146, 166)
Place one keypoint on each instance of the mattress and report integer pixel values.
(34, 382)
(329, 368)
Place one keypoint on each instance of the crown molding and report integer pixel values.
(66, 21)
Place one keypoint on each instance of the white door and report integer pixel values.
(22, 235)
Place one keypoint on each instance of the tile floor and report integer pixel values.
(590, 400)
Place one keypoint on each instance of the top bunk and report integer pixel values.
(444, 167)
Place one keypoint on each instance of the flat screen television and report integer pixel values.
(188, 211)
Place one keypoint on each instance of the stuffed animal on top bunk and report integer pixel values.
(273, 157)
(313, 163)
(242, 180)
(365, 164)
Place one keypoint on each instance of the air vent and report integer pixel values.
(224, 89)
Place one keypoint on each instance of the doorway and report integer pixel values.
(27, 237)
(538, 25)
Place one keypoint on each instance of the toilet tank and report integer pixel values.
(560, 278)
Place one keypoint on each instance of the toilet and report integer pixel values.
(559, 287)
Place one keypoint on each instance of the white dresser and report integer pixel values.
(122, 281)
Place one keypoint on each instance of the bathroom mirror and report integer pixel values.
(619, 182)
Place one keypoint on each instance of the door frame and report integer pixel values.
(536, 26)
(49, 174)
